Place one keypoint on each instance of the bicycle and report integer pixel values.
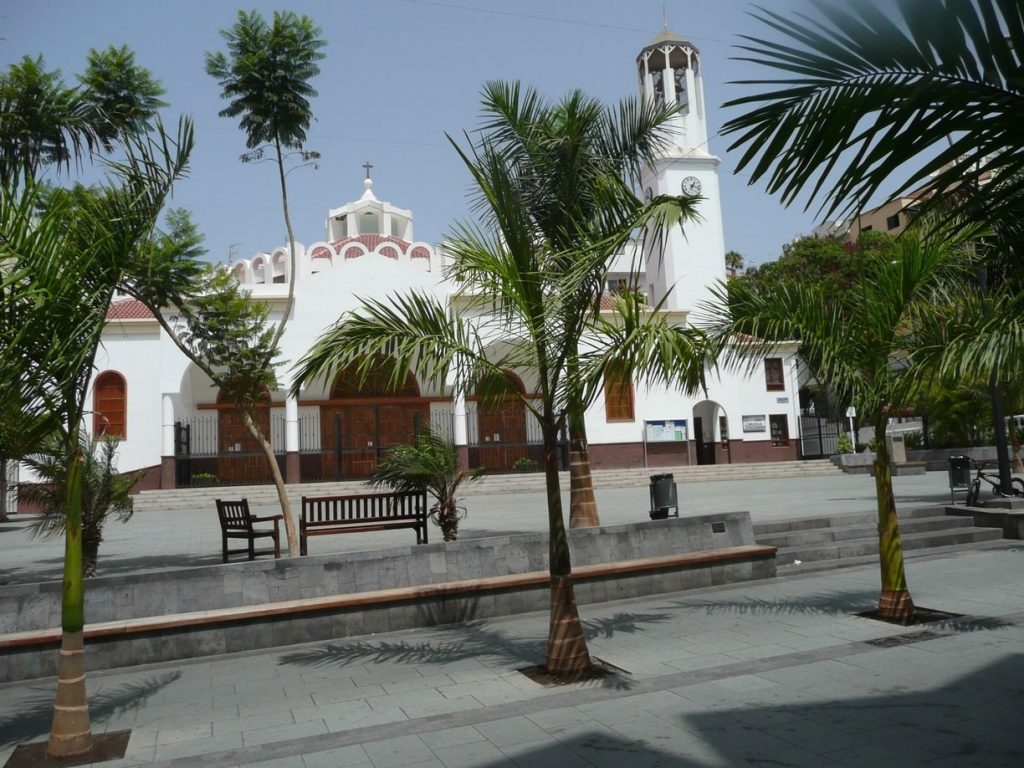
(974, 492)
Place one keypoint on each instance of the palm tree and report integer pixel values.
(431, 464)
(521, 305)
(948, 93)
(105, 492)
(734, 262)
(60, 266)
(857, 345)
(576, 160)
(856, 95)
(266, 79)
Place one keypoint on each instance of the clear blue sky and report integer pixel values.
(398, 75)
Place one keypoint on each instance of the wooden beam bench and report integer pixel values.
(324, 515)
(358, 600)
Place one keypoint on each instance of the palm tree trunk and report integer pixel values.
(567, 654)
(91, 538)
(582, 504)
(282, 494)
(895, 603)
(70, 733)
(3, 490)
(1018, 463)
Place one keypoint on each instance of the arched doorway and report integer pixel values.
(363, 420)
(710, 433)
(501, 436)
(240, 457)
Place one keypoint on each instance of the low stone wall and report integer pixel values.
(935, 459)
(37, 606)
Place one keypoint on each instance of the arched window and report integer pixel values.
(618, 396)
(110, 405)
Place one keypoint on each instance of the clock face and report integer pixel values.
(691, 185)
(648, 195)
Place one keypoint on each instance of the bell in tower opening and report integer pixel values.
(669, 69)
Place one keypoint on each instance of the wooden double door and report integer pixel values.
(501, 435)
(355, 437)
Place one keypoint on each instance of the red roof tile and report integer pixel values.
(128, 309)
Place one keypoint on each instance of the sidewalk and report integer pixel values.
(772, 673)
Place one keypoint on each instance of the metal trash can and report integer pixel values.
(959, 475)
(664, 497)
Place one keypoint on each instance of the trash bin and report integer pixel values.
(663, 497)
(959, 475)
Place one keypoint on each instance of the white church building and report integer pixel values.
(173, 422)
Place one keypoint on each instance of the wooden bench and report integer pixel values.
(322, 515)
(236, 522)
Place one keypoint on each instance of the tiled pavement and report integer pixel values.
(774, 673)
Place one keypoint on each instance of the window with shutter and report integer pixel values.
(618, 397)
(109, 405)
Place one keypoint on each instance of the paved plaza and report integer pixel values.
(190, 537)
(779, 672)
(772, 673)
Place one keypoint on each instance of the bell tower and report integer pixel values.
(669, 67)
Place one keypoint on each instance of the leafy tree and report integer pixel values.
(265, 77)
(858, 345)
(856, 95)
(44, 122)
(431, 464)
(105, 492)
(61, 265)
(836, 264)
(122, 96)
(522, 305)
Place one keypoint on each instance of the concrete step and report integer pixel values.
(868, 547)
(817, 536)
(839, 521)
(816, 566)
(266, 495)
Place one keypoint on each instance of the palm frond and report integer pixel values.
(857, 95)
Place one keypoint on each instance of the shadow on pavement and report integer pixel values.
(970, 721)
(832, 604)
(476, 640)
(34, 716)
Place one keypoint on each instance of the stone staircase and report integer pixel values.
(263, 495)
(821, 543)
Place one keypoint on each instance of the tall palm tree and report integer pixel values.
(577, 161)
(859, 346)
(265, 78)
(857, 94)
(60, 264)
(522, 305)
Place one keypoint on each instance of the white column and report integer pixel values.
(167, 428)
(460, 432)
(291, 423)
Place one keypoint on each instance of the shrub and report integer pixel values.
(524, 464)
(845, 444)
